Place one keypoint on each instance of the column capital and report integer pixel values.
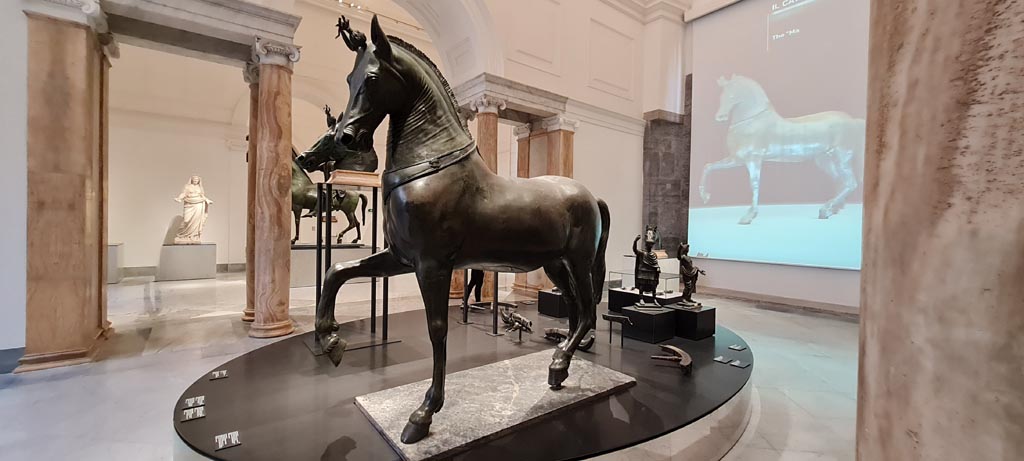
(87, 12)
(485, 104)
(272, 52)
(559, 122)
(251, 72)
(522, 131)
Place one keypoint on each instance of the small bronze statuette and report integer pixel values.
(647, 271)
(689, 274)
(559, 335)
(677, 355)
(515, 321)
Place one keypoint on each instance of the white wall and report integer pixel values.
(13, 183)
(829, 289)
(151, 159)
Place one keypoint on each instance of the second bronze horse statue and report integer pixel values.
(446, 210)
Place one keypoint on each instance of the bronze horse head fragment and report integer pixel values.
(328, 155)
(445, 210)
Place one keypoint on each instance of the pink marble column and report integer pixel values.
(942, 291)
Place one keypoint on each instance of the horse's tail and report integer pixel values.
(597, 273)
(363, 201)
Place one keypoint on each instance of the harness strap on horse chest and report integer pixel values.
(392, 179)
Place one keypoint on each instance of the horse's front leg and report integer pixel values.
(434, 280)
(723, 164)
(382, 264)
(754, 171)
(296, 214)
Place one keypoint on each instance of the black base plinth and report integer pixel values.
(621, 297)
(306, 405)
(694, 323)
(552, 304)
(650, 325)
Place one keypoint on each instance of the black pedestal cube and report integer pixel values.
(694, 323)
(552, 304)
(649, 325)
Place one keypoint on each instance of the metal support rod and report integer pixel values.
(329, 195)
(319, 241)
(465, 296)
(373, 280)
(494, 307)
(384, 302)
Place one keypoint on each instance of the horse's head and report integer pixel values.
(327, 153)
(376, 87)
(741, 97)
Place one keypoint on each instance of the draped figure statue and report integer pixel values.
(194, 211)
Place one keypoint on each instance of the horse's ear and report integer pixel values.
(380, 40)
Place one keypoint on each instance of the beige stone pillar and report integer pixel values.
(272, 244)
(942, 287)
(66, 222)
(486, 109)
(252, 77)
(558, 132)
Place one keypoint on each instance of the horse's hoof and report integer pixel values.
(556, 376)
(414, 432)
(334, 347)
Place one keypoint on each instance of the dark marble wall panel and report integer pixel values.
(667, 174)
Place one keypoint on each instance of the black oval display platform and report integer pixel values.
(287, 403)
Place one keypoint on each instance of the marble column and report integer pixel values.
(272, 232)
(560, 131)
(942, 284)
(522, 134)
(486, 109)
(66, 181)
(251, 73)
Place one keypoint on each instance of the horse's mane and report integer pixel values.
(423, 57)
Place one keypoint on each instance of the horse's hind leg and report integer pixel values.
(575, 274)
(434, 283)
(350, 218)
(843, 171)
(382, 264)
(296, 213)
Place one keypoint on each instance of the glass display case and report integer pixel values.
(625, 279)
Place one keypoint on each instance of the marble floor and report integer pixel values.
(168, 333)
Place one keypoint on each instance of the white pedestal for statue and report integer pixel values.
(303, 273)
(115, 261)
(187, 262)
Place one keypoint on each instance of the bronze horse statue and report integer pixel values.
(304, 197)
(445, 210)
(328, 155)
(833, 140)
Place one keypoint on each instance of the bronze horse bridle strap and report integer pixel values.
(392, 179)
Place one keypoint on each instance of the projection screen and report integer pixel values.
(779, 101)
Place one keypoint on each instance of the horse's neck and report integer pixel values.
(428, 128)
(299, 175)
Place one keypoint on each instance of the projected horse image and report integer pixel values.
(757, 134)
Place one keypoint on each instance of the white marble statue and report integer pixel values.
(195, 208)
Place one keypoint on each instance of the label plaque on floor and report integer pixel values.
(723, 359)
(193, 402)
(739, 364)
(487, 401)
(227, 440)
(737, 347)
(219, 374)
(193, 413)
